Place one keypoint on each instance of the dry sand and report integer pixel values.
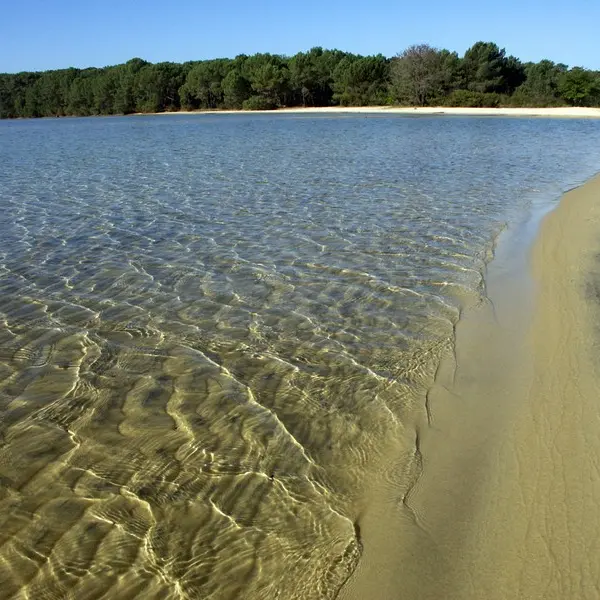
(563, 111)
(507, 504)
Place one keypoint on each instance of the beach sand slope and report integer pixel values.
(508, 502)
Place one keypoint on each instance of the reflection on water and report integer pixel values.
(212, 325)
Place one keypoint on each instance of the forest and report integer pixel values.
(421, 75)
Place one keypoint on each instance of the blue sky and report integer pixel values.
(48, 34)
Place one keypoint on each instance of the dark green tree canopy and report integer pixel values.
(579, 87)
(361, 80)
(203, 87)
(419, 75)
(488, 69)
(541, 84)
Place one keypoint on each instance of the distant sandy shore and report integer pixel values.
(566, 111)
(508, 503)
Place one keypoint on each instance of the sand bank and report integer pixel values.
(507, 504)
(563, 111)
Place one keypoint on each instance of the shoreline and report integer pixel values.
(559, 112)
(506, 502)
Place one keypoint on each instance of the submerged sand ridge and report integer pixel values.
(507, 501)
(183, 481)
(142, 462)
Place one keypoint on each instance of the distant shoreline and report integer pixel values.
(562, 111)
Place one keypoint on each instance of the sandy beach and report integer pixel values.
(563, 111)
(506, 505)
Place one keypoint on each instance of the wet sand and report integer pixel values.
(506, 502)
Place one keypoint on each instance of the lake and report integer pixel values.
(212, 326)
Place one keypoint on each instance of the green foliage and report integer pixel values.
(311, 76)
(359, 81)
(105, 92)
(420, 75)
(258, 103)
(487, 69)
(469, 98)
(236, 89)
(268, 76)
(81, 94)
(203, 87)
(156, 87)
(579, 87)
(541, 85)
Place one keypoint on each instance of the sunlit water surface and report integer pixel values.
(211, 325)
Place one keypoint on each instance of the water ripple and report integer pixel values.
(211, 328)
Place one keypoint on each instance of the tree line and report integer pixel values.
(421, 75)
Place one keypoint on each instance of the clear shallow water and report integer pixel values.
(212, 325)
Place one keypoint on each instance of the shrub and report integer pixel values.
(259, 103)
(470, 99)
(522, 99)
